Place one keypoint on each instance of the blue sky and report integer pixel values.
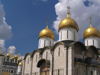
(26, 18)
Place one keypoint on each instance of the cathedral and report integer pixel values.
(68, 56)
(10, 65)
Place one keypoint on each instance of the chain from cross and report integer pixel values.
(68, 9)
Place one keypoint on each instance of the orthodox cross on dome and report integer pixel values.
(90, 21)
(68, 9)
(47, 22)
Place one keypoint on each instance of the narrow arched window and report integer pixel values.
(44, 42)
(67, 34)
(87, 42)
(59, 52)
(28, 61)
(93, 41)
(36, 58)
(39, 43)
(74, 35)
(50, 43)
(46, 55)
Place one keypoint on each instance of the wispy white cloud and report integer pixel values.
(5, 29)
(79, 12)
(12, 50)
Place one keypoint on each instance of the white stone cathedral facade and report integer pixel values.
(68, 56)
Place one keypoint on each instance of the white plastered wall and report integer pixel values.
(35, 69)
(45, 42)
(27, 68)
(60, 61)
(68, 34)
(89, 41)
(49, 57)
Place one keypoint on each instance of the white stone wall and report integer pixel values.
(1, 62)
(47, 55)
(35, 60)
(60, 61)
(68, 34)
(45, 42)
(27, 68)
(70, 61)
(89, 41)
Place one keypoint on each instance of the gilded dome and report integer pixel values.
(13, 58)
(20, 59)
(20, 64)
(91, 32)
(10, 58)
(8, 55)
(68, 23)
(47, 33)
(16, 56)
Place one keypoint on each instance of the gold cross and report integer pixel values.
(68, 9)
(90, 20)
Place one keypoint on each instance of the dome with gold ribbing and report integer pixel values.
(8, 55)
(68, 22)
(47, 33)
(20, 64)
(16, 57)
(91, 31)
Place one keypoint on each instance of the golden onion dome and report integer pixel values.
(13, 58)
(10, 58)
(47, 33)
(20, 64)
(16, 56)
(8, 55)
(91, 32)
(20, 59)
(68, 23)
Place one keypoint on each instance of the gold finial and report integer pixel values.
(68, 11)
(0, 50)
(47, 22)
(90, 21)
